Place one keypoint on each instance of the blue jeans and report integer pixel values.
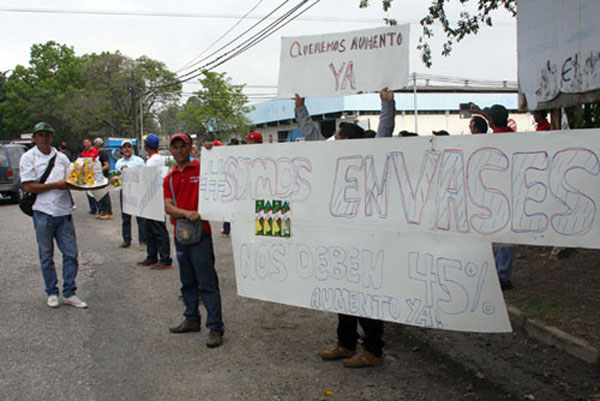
(47, 229)
(503, 256)
(126, 225)
(199, 279)
(157, 241)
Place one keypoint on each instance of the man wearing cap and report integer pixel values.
(51, 214)
(196, 261)
(158, 246)
(254, 137)
(128, 160)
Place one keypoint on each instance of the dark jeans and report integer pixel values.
(105, 206)
(60, 229)
(126, 225)
(199, 279)
(157, 241)
(93, 204)
(226, 228)
(347, 335)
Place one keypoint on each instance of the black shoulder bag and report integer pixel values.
(28, 199)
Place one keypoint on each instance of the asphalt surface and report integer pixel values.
(120, 348)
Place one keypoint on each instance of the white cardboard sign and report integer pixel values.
(143, 192)
(344, 63)
(539, 189)
(421, 280)
(558, 48)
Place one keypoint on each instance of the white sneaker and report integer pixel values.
(53, 301)
(74, 301)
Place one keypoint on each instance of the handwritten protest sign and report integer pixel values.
(559, 51)
(344, 63)
(143, 192)
(514, 188)
(419, 280)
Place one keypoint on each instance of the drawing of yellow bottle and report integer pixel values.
(276, 222)
(267, 222)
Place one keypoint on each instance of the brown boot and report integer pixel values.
(185, 326)
(338, 352)
(215, 339)
(364, 360)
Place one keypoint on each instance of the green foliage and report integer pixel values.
(467, 23)
(216, 109)
(584, 116)
(87, 96)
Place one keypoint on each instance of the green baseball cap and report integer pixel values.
(42, 126)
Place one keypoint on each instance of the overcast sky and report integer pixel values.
(176, 40)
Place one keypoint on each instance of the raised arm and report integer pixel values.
(387, 118)
(309, 129)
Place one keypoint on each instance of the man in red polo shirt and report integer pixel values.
(196, 261)
(92, 152)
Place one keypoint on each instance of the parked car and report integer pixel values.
(10, 183)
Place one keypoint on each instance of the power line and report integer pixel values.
(236, 38)
(220, 37)
(259, 37)
(204, 15)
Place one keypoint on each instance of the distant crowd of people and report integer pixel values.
(43, 170)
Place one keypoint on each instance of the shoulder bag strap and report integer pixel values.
(48, 169)
(172, 192)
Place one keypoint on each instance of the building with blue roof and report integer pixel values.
(436, 110)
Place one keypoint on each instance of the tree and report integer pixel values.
(168, 122)
(115, 88)
(41, 91)
(218, 108)
(467, 23)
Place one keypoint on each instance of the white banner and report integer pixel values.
(539, 189)
(420, 280)
(344, 63)
(143, 192)
(558, 47)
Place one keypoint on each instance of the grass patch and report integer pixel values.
(535, 307)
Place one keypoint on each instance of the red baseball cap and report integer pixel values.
(180, 135)
(254, 136)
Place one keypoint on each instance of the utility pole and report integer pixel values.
(133, 109)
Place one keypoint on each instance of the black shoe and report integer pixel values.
(506, 285)
(146, 262)
(185, 326)
(161, 266)
(124, 245)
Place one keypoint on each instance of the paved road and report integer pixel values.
(120, 348)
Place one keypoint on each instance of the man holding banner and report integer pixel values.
(129, 160)
(158, 246)
(195, 257)
(347, 324)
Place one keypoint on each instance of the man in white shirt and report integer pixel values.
(129, 160)
(158, 245)
(52, 218)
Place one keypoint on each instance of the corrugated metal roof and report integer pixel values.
(283, 109)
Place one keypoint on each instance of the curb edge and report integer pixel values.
(555, 337)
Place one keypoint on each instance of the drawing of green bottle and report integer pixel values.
(259, 217)
(286, 220)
